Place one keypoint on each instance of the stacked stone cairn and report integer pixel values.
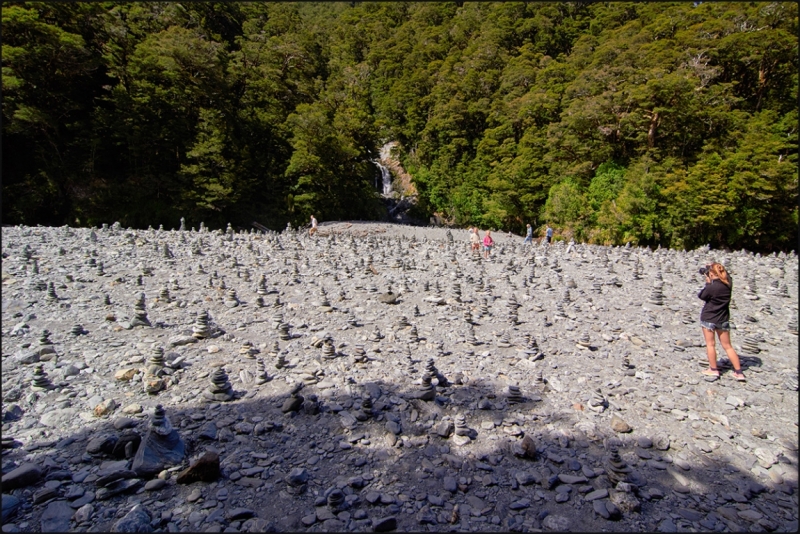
(200, 329)
(514, 395)
(220, 388)
(140, 313)
(616, 468)
(40, 380)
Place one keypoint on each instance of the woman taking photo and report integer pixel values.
(715, 317)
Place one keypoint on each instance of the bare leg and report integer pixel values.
(725, 341)
(711, 349)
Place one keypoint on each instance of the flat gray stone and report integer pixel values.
(571, 479)
(558, 523)
(24, 475)
(56, 517)
(596, 494)
(691, 515)
(10, 506)
(137, 520)
(385, 524)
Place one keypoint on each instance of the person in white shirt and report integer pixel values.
(313, 229)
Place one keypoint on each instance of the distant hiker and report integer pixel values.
(529, 235)
(488, 243)
(313, 229)
(548, 235)
(474, 239)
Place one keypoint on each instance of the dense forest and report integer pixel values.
(671, 124)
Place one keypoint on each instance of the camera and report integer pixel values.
(703, 270)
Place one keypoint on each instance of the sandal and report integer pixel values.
(710, 372)
(739, 376)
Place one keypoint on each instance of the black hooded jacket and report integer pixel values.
(718, 299)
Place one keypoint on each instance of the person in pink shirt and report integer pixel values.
(488, 243)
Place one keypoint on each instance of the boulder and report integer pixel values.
(156, 452)
(56, 517)
(204, 469)
(10, 506)
(137, 520)
(24, 475)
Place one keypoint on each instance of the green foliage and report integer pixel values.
(655, 123)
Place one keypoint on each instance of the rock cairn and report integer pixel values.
(140, 312)
(220, 388)
(200, 329)
(40, 380)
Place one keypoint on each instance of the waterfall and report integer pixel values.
(386, 177)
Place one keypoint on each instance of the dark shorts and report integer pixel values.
(726, 326)
(549, 238)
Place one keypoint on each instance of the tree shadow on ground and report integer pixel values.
(403, 475)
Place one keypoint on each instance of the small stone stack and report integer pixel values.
(413, 335)
(469, 337)
(427, 390)
(656, 295)
(376, 335)
(538, 380)
(402, 322)
(627, 368)
(456, 292)
(597, 286)
(200, 329)
(324, 304)
(462, 434)
(283, 332)
(261, 288)
(359, 355)
(261, 373)
(295, 400)
(277, 319)
(248, 351)
(750, 290)
(351, 319)
(335, 500)
(140, 313)
(40, 381)
(77, 330)
(636, 272)
(783, 291)
(597, 402)
(231, 300)
(365, 412)
(793, 324)
(531, 350)
(51, 292)
(328, 349)
(584, 341)
(750, 345)
(514, 395)
(616, 468)
(156, 364)
(220, 388)
(503, 341)
(45, 345)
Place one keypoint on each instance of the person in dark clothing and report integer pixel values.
(715, 317)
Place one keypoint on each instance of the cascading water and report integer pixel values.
(386, 175)
(386, 178)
